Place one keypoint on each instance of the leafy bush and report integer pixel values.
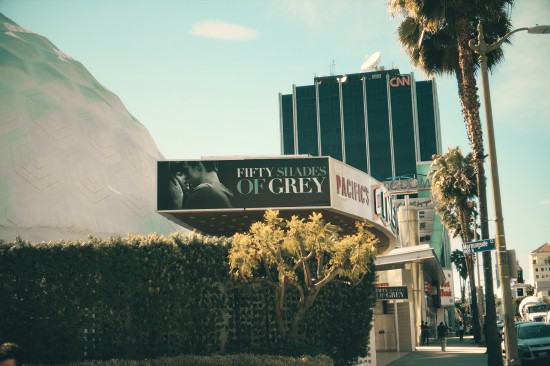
(227, 360)
(155, 296)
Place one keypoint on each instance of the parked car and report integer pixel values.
(533, 341)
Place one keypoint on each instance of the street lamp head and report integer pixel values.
(342, 79)
(539, 29)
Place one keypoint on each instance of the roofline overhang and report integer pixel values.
(399, 257)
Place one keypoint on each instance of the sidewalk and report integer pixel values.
(457, 354)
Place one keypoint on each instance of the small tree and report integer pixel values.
(458, 259)
(303, 254)
(463, 309)
(515, 305)
(529, 290)
(454, 189)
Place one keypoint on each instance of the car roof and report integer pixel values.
(531, 324)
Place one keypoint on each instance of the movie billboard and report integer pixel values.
(245, 183)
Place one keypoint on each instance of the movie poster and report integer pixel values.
(247, 183)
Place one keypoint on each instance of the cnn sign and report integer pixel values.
(398, 81)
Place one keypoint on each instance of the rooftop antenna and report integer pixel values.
(332, 67)
(371, 62)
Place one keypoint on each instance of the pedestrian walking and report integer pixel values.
(425, 333)
(461, 330)
(442, 331)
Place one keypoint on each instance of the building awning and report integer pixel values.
(398, 257)
(226, 222)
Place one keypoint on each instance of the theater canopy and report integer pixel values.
(398, 257)
(222, 196)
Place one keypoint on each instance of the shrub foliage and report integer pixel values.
(298, 254)
(151, 296)
(215, 360)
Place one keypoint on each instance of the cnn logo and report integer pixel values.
(398, 81)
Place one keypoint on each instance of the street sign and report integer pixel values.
(478, 246)
(391, 293)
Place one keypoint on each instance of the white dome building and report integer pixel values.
(74, 161)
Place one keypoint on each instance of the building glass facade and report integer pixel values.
(378, 118)
(287, 124)
(427, 126)
(381, 122)
(403, 117)
(353, 111)
(306, 114)
(329, 120)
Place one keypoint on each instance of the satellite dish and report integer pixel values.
(371, 61)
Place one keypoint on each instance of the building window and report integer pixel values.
(537, 276)
(536, 269)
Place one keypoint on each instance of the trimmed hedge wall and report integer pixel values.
(217, 360)
(151, 296)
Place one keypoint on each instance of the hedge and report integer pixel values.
(157, 296)
(217, 360)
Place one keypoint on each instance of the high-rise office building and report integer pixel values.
(383, 122)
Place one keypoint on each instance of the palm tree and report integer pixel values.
(435, 35)
(529, 290)
(459, 260)
(454, 190)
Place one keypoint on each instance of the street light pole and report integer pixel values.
(482, 49)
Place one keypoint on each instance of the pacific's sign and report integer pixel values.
(351, 189)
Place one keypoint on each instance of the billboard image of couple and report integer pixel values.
(246, 183)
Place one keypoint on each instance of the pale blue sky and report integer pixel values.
(204, 78)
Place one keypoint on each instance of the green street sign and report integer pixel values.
(478, 246)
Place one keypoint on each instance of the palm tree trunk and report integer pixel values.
(464, 222)
(465, 233)
(473, 299)
(470, 109)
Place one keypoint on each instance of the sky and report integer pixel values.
(204, 77)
